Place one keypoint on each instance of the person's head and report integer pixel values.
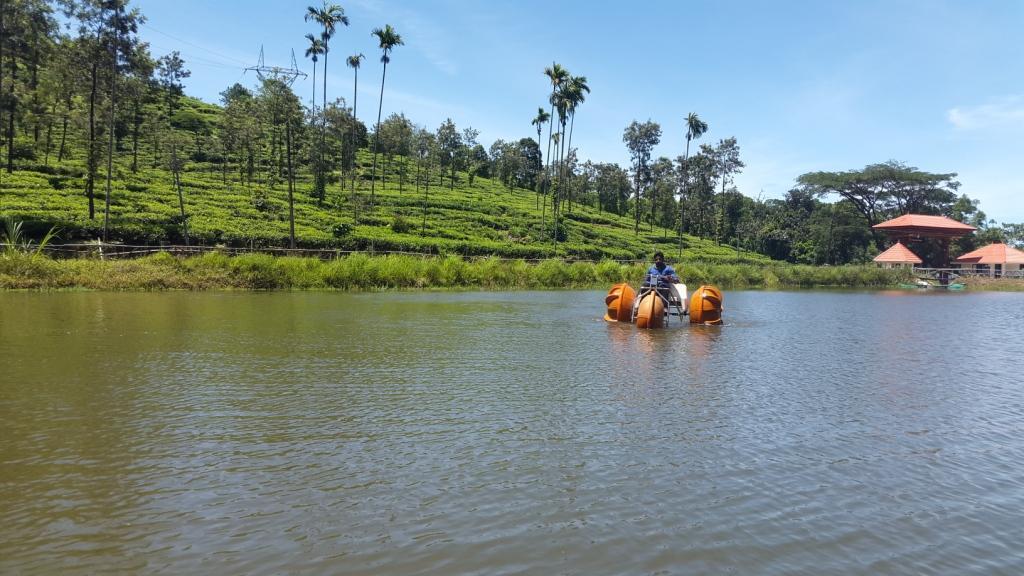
(659, 260)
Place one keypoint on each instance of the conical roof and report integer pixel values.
(898, 254)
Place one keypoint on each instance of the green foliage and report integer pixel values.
(360, 271)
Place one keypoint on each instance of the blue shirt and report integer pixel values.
(668, 273)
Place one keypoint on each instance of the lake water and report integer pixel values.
(509, 433)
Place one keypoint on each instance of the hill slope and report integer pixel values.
(472, 219)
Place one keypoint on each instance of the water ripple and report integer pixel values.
(497, 433)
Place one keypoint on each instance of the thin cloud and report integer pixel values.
(1002, 113)
(430, 38)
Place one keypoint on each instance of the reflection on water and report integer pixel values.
(423, 433)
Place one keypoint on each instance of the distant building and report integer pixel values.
(910, 228)
(994, 260)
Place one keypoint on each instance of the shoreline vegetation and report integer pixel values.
(363, 272)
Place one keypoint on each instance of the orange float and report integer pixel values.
(619, 302)
(706, 306)
(650, 313)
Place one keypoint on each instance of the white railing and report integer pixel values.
(970, 272)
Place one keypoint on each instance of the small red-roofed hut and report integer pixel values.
(995, 259)
(916, 227)
(897, 256)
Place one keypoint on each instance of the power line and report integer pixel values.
(286, 75)
(203, 48)
(199, 60)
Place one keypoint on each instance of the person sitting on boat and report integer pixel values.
(660, 273)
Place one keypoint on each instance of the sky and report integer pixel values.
(802, 85)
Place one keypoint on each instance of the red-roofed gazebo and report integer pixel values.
(916, 227)
(898, 256)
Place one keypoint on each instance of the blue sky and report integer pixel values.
(803, 86)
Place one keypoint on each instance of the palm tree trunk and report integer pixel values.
(64, 133)
(572, 123)
(49, 132)
(176, 173)
(291, 186)
(682, 196)
(547, 167)
(323, 101)
(426, 192)
(3, 30)
(90, 180)
(352, 132)
(12, 104)
(135, 136)
(376, 135)
(110, 145)
(540, 127)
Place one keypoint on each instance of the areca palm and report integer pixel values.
(575, 91)
(538, 121)
(354, 62)
(328, 17)
(388, 39)
(557, 75)
(695, 128)
(315, 49)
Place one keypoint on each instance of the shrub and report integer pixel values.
(400, 225)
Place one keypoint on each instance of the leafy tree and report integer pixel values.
(660, 193)
(727, 160)
(171, 71)
(640, 140)
(530, 163)
(449, 142)
(347, 133)
(240, 133)
(613, 188)
(284, 109)
(469, 144)
(396, 139)
(426, 151)
(880, 191)
(1014, 234)
(139, 91)
(388, 39)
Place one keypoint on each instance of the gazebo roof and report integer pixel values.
(925, 226)
(997, 253)
(898, 254)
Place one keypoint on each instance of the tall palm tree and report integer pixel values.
(558, 75)
(576, 91)
(538, 121)
(560, 100)
(695, 128)
(315, 49)
(328, 17)
(388, 39)
(353, 62)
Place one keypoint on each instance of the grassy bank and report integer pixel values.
(362, 272)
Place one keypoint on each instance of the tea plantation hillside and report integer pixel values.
(476, 216)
